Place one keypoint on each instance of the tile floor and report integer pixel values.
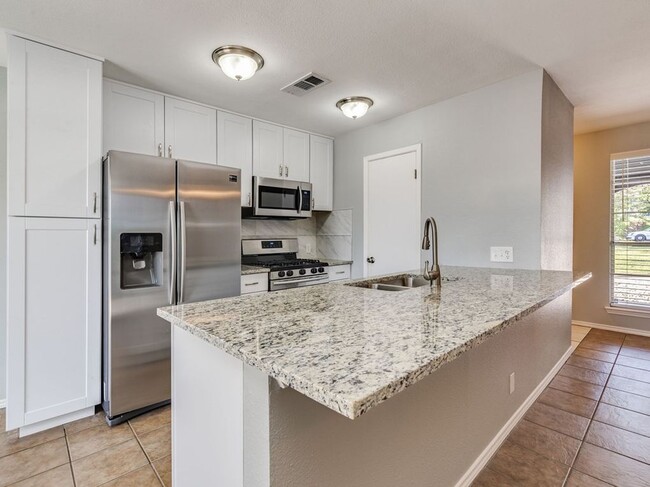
(88, 453)
(590, 427)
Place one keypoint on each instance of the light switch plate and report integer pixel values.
(501, 254)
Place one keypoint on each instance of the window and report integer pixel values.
(630, 234)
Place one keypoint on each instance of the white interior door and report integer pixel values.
(392, 211)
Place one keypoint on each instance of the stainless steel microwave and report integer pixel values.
(280, 198)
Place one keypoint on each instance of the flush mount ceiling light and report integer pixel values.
(354, 106)
(237, 62)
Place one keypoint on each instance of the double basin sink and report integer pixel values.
(399, 283)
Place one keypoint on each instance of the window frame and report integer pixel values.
(627, 309)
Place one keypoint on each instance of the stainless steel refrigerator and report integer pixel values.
(172, 235)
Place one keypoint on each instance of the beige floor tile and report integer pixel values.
(91, 440)
(151, 421)
(142, 477)
(164, 469)
(3, 412)
(33, 461)
(109, 464)
(11, 443)
(98, 419)
(157, 443)
(57, 477)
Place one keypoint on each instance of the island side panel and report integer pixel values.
(429, 434)
(207, 414)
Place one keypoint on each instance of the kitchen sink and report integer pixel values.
(393, 283)
(398, 283)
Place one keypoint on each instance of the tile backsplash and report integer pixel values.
(327, 235)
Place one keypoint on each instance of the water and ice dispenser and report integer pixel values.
(141, 260)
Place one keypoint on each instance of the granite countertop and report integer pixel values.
(253, 269)
(350, 348)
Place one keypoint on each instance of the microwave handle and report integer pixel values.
(299, 199)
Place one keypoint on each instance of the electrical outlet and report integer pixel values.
(501, 254)
(512, 383)
(308, 248)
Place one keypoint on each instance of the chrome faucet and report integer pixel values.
(432, 274)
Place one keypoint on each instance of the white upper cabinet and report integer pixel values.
(134, 120)
(268, 152)
(54, 317)
(296, 155)
(279, 152)
(235, 149)
(54, 132)
(190, 131)
(321, 172)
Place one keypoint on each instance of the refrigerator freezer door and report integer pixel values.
(140, 195)
(209, 232)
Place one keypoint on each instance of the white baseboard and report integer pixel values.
(620, 329)
(3, 403)
(482, 460)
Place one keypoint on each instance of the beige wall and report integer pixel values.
(591, 219)
(557, 178)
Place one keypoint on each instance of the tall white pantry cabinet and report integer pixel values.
(54, 119)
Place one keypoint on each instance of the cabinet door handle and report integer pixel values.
(160, 154)
(339, 272)
(249, 199)
(95, 235)
(94, 202)
(280, 170)
(251, 283)
(286, 171)
(313, 203)
(169, 151)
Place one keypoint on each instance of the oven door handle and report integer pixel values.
(305, 279)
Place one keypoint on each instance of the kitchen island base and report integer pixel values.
(234, 426)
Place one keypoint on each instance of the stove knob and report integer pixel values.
(314, 270)
(289, 273)
(302, 271)
(281, 274)
(320, 269)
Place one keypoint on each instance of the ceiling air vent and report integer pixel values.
(307, 83)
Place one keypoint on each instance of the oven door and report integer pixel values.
(281, 198)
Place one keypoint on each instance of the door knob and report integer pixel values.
(370, 260)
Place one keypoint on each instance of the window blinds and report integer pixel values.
(630, 230)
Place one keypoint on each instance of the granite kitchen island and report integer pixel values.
(343, 385)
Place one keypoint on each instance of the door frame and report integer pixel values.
(417, 149)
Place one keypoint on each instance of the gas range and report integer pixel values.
(287, 270)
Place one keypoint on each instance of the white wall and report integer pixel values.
(3, 230)
(481, 171)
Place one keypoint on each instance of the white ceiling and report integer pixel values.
(405, 54)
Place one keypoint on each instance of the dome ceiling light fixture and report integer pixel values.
(354, 106)
(237, 62)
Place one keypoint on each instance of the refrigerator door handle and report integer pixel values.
(172, 238)
(183, 253)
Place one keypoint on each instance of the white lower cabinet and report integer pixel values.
(339, 272)
(54, 320)
(255, 283)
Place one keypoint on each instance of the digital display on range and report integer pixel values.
(271, 244)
